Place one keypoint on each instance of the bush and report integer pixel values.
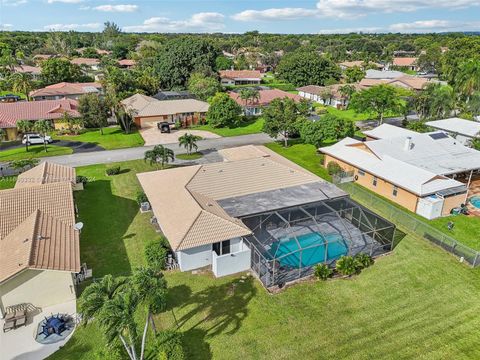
(141, 198)
(322, 271)
(156, 254)
(82, 179)
(113, 171)
(363, 261)
(333, 168)
(168, 345)
(346, 265)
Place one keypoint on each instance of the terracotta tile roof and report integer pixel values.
(85, 61)
(126, 62)
(404, 61)
(10, 113)
(27, 69)
(240, 74)
(359, 63)
(266, 97)
(184, 200)
(66, 88)
(46, 173)
(334, 89)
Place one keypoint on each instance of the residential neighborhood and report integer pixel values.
(175, 185)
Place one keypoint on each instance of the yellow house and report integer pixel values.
(417, 171)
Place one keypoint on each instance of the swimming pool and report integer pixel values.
(311, 254)
(475, 201)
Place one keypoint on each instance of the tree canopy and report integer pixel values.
(223, 111)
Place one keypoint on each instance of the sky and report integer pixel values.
(238, 16)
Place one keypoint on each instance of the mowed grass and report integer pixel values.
(416, 303)
(249, 127)
(7, 182)
(192, 156)
(34, 151)
(112, 138)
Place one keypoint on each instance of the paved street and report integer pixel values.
(110, 156)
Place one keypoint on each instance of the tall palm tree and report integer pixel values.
(189, 142)
(22, 83)
(468, 78)
(24, 126)
(245, 95)
(43, 127)
(159, 154)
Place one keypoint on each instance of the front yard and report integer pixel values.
(418, 302)
(253, 126)
(34, 151)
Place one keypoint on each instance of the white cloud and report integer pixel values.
(348, 9)
(275, 14)
(5, 26)
(200, 22)
(116, 8)
(68, 27)
(366, 30)
(434, 26)
(65, 1)
(13, 2)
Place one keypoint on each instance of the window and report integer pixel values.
(361, 172)
(375, 180)
(395, 190)
(221, 248)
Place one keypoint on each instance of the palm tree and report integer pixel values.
(3, 134)
(43, 127)
(189, 142)
(22, 83)
(24, 126)
(468, 78)
(159, 154)
(347, 91)
(151, 288)
(245, 95)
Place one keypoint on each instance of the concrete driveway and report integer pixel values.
(153, 136)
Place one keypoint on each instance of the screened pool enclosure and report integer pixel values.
(287, 243)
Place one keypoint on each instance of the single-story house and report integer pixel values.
(11, 113)
(327, 95)
(428, 174)
(173, 95)
(34, 71)
(240, 77)
(66, 90)
(39, 244)
(147, 111)
(410, 63)
(91, 63)
(462, 130)
(383, 74)
(254, 106)
(257, 211)
(359, 63)
(407, 82)
(126, 63)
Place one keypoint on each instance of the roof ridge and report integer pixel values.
(34, 240)
(189, 228)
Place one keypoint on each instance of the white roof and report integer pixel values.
(386, 131)
(409, 177)
(383, 74)
(458, 126)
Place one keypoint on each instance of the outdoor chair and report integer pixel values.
(8, 325)
(14, 320)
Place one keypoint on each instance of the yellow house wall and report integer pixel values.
(383, 188)
(452, 202)
(40, 288)
(12, 134)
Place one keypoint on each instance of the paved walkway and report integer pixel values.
(153, 136)
(110, 156)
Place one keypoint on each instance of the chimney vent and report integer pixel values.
(408, 143)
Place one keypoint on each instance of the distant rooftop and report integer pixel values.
(458, 126)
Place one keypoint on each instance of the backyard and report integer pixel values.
(418, 302)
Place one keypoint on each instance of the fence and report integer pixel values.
(411, 224)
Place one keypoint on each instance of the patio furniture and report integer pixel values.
(8, 325)
(14, 320)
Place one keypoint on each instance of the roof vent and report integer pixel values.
(221, 170)
(26, 240)
(408, 143)
(40, 237)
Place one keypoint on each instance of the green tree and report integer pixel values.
(312, 132)
(159, 155)
(378, 100)
(58, 70)
(418, 126)
(347, 91)
(43, 127)
(336, 128)
(24, 126)
(203, 87)
(168, 346)
(94, 111)
(155, 255)
(223, 111)
(189, 142)
(281, 118)
(307, 68)
(22, 83)
(223, 63)
(249, 94)
(436, 101)
(467, 80)
(354, 74)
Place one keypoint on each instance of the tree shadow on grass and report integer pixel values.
(107, 218)
(218, 309)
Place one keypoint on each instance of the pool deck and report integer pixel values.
(474, 191)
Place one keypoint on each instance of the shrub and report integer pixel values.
(346, 265)
(113, 170)
(156, 254)
(363, 261)
(168, 345)
(141, 197)
(82, 179)
(333, 168)
(322, 271)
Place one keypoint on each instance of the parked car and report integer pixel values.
(34, 139)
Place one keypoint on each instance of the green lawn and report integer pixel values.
(251, 127)
(7, 182)
(192, 156)
(112, 138)
(418, 302)
(34, 151)
(7, 92)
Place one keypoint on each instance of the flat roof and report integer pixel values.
(265, 201)
(459, 126)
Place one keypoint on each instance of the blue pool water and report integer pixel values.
(475, 201)
(309, 256)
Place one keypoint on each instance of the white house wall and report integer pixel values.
(195, 258)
